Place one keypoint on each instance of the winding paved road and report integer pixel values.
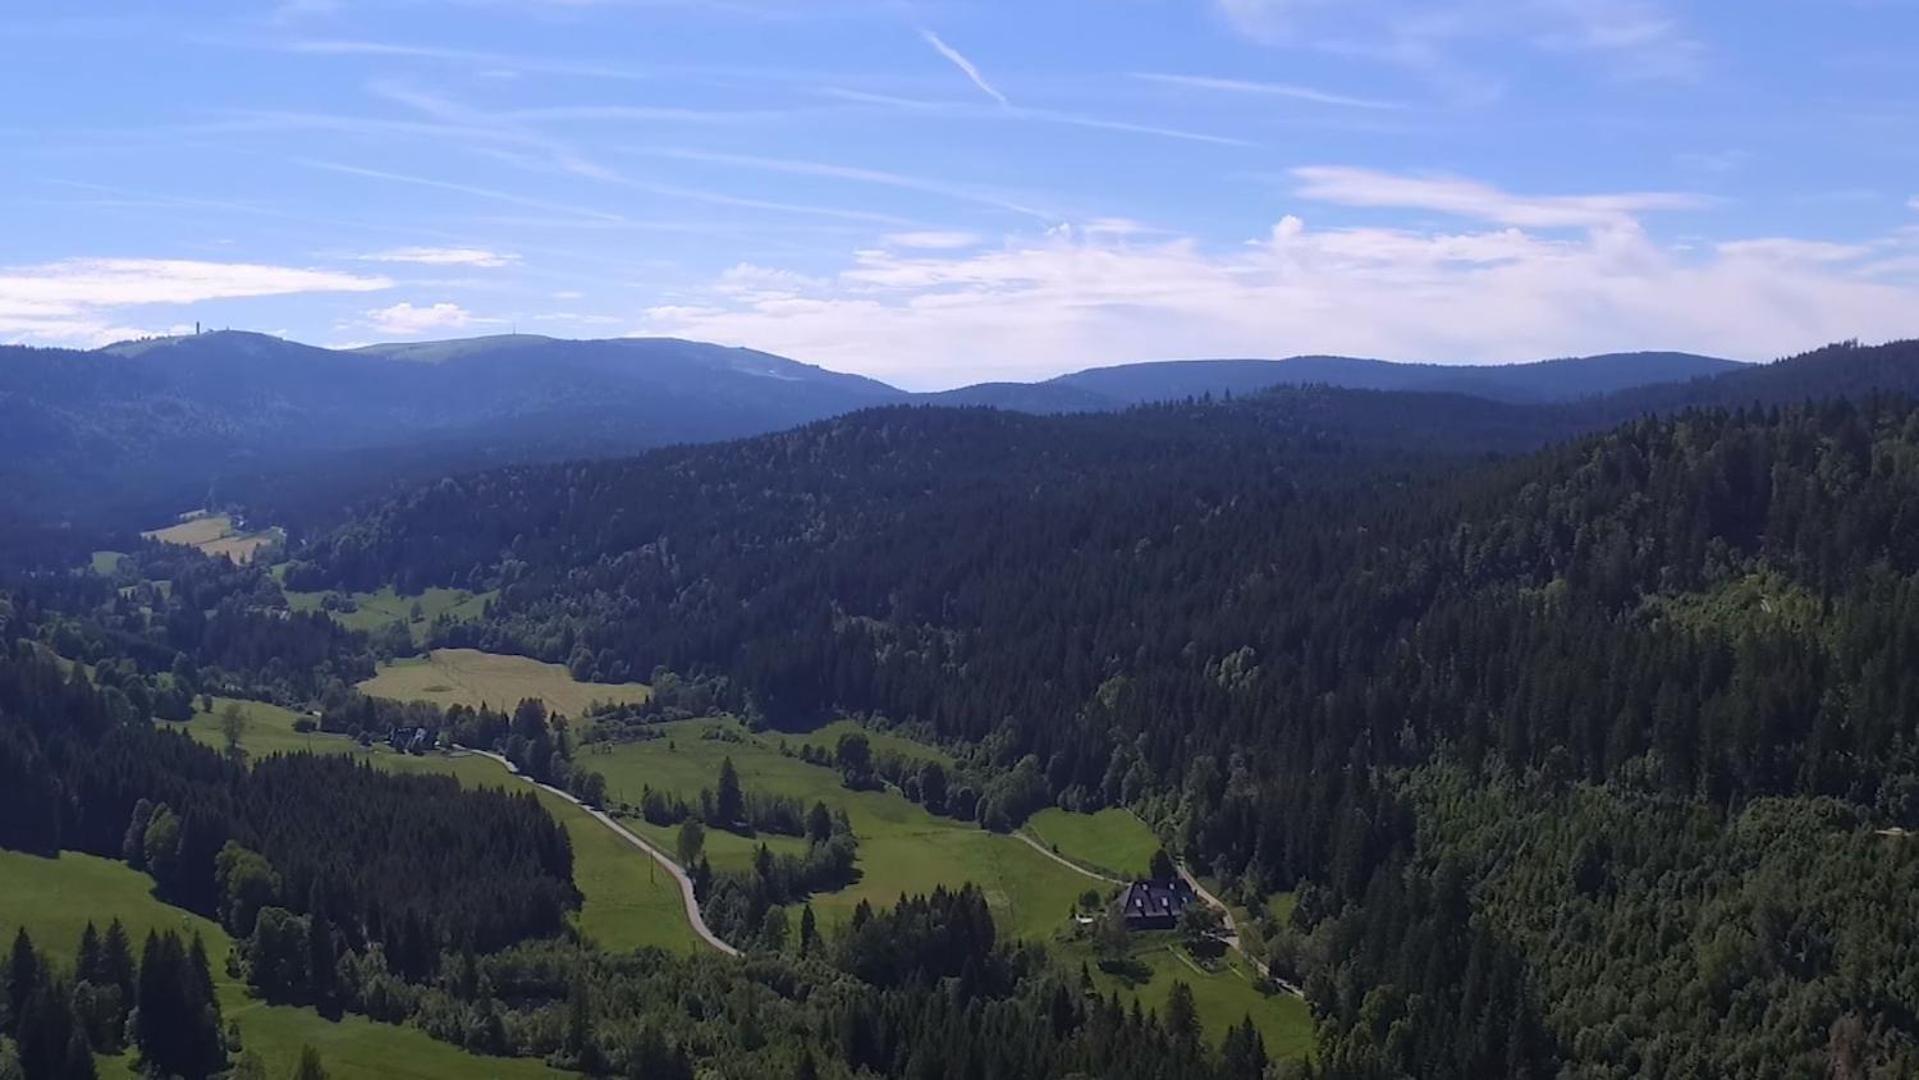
(686, 883)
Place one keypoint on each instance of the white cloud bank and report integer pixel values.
(83, 301)
(1526, 277)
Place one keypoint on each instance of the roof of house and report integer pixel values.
(1156, 899)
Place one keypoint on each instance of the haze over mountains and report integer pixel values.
(151, 425)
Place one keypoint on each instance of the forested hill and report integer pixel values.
(132, 433)
(1534, 383)
(149, 427)
(1579, 758)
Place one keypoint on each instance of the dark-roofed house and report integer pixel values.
(1154, 905)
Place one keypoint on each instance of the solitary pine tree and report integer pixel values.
(729, 804)
(1182, 1013)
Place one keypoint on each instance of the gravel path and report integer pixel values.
(686, 883)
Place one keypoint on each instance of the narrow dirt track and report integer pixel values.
(1064, 861)
(1231, 937)
(693, 915)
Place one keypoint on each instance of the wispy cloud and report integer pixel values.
(957, 192)
(966, 66)
(1016, 112)
(1473, 199)
(82, 301)
(1286, 90)
(1637, 36)
(646, 114)
(1636, 39)
(492, 126)
(719, 198)
(932, 240)
(442, 256)
(474, 190)
(544, 65)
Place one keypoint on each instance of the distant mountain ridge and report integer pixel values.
(146, 427)
(1538, 382)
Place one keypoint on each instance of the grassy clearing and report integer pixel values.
(628, 900)
(828, 737)
(1281, 906)
(268, 730)
(215, 535)
(725, 850)
(54, 898)
(1112, 841)
(903, 849)
(107, 563)
(377, 609)
(1225, 990)
(470, 677)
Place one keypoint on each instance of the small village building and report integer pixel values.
(413, 740)
(1155, 905)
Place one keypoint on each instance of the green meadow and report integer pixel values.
(725, 850)
(55, 898)
(903, 848)
(1224, 990)
(883, 742)
(629, 901)
(373, 610)
(1112, 842)
(268, 729)
(474, 678)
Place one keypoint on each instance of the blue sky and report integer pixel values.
(947, 191)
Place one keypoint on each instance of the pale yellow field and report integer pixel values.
(201, 530)
(474, 678)
(214, 535)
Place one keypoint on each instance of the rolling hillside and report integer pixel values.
(130, 434)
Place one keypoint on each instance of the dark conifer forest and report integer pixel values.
(1585, 734)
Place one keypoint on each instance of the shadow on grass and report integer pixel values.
(1128, 970)
(1207, 950)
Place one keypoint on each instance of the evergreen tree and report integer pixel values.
(23, 973)
(729, 802)
(78, 1064)
(1182, 1013)
(89, 961)
(1243, 1052)
(116, 961)
(310, 1067)
(321, 960)
(809, 931)
(819, 824)
(774, 929)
